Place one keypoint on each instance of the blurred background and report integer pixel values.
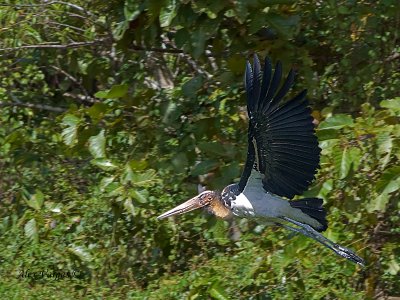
(114, 111)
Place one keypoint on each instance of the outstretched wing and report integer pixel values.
(281, 136)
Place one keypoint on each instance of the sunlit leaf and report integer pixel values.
(54, 207)
(104, 164)
(97, 145)
(393, 104)
(168, 12)
(378, 203)
(217, 292)
(31, 230)
(384, 141)
(336, 122)
(106, 181)
(393, 267)
(145, 178)
(355, 155)
(81, 252)
(140, 196)
(132, 10)
(128, 205)
(389, 181)
(36, 200)
(70, 132)
(342, 162)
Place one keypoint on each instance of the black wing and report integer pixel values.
(281, 136)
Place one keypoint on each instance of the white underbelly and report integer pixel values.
(255, 202)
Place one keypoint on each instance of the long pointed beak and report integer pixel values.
(185, 207)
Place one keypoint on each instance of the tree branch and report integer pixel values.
(18, 103)
(32, 105)
(171, 50)
(153, 49)
(55, 46)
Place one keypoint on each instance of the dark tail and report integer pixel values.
(313, 208)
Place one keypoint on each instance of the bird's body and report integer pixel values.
(254, 202)
(282, 160)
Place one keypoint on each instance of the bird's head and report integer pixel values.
(211, 200)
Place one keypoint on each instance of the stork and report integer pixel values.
(282, 160)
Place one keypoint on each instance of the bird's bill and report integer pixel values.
(185, 207)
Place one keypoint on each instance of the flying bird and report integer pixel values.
(282, 160)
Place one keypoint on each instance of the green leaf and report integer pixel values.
(326, 188)
(342, 162)
(128, 205)
(355, 155)
(180, 162)
(116, 91)
(80, 252)
(182, 37)
(204, 167)
(379, 203)
(104, 164)
(140, 196)
(144, 179)
(54, 207)
(138, 165)
(168, 13)
(97, 145)
(213, 149)
(105, 182)
(384, 141)
(97, 111)
(118, 33)
(389, 181)
(70, 133)
(327, 134)
(191, 86)
(283, 24)
(36, 200)
(31, 230)
(393, 104)
(198, 39)
(132, 10)
(343, 10)
(217, 292)
(393, 267)
(336, 122)
(219, 231)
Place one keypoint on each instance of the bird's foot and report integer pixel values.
(350, 255)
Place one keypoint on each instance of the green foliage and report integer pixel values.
(113, 112)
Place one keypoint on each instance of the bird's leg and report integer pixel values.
(307, 230)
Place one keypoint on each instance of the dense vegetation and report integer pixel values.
(114, 111)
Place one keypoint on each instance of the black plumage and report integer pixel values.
(281, 135)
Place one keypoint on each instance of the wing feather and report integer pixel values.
(282, 141)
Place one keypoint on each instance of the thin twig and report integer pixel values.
(72, 78)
